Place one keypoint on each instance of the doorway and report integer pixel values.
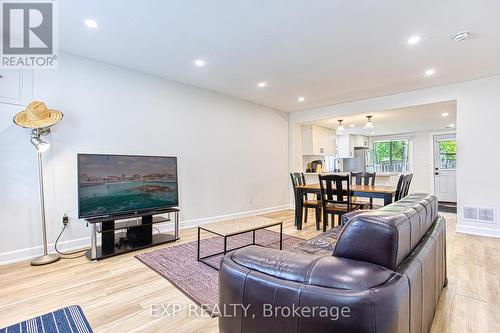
(445, 167)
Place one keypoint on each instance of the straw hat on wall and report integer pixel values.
(37, 115)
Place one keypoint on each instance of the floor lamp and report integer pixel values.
(39, 119)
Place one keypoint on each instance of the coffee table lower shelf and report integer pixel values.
(226, 250)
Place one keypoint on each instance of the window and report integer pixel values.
(447, 154)
(391, 156)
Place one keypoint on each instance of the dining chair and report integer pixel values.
(336, 197)
(409, 177)
(403, 186)
(363, 178)
(299, 179)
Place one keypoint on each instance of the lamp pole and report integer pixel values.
(39, 118)
(46, 258)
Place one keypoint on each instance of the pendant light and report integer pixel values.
(369, 123)
(340, 128)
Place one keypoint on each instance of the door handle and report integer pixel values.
(436, 173)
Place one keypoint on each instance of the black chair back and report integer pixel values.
(335, 189)
(298, 179)
(363, 178)
(403, 186)
(407, 184)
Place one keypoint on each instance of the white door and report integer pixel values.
(445, 167)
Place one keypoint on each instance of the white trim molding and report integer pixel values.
(82, 243)
(10, 257)
(477, 230)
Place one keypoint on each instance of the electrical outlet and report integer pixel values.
(65, 219)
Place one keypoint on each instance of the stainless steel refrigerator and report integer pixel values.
(360, 162)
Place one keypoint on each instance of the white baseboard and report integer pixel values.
(478, 231)
(80, 243)
(35, 251)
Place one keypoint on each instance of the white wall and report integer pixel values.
(478, 116)
(232, 154)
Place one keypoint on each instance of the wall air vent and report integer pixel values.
(478, 214)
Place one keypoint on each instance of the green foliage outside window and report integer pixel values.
(447, 154)
(391, 156)
(448, 148)
(382, 151)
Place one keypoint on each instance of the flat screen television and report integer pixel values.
(112, 185)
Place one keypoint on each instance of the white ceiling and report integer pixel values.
(328, 51)
(419, 118)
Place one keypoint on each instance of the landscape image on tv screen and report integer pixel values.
(113, 184)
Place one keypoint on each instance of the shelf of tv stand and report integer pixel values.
(145, 220)
(157, 240)
(127, 224)
(131, 215)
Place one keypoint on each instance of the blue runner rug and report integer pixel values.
(66, 320)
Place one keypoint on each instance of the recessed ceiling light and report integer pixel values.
(261, 84)
(413, 40)
(90, 23)
(352, 125)
(301, 99)
(460, 36)
(199, 63)
(430, 72)
(445, 114)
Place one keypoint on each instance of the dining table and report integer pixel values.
(365, 191)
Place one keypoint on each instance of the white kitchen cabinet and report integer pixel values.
(317, 140)
(345, 146)
(360, 141)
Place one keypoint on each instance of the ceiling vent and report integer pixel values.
(460, 36)
(485, 215)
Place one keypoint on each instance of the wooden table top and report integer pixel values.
(237, 226)
(355, 188)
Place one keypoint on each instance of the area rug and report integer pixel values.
(66, 320)
(196, 280)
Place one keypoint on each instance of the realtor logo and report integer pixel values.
(28, 34)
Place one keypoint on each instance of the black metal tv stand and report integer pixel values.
(137, 232)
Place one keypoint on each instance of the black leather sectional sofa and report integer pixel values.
(382, 272)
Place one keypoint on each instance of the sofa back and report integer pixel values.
(388, 235)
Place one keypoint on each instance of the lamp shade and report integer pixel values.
(340, 128)
(369, 123)
(40, 145)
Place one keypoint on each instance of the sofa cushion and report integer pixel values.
(324, 271)
(386, 236)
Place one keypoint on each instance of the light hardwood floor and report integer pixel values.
(116, 294)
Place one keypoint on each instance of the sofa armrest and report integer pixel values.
(350, 215)
(324, 271)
